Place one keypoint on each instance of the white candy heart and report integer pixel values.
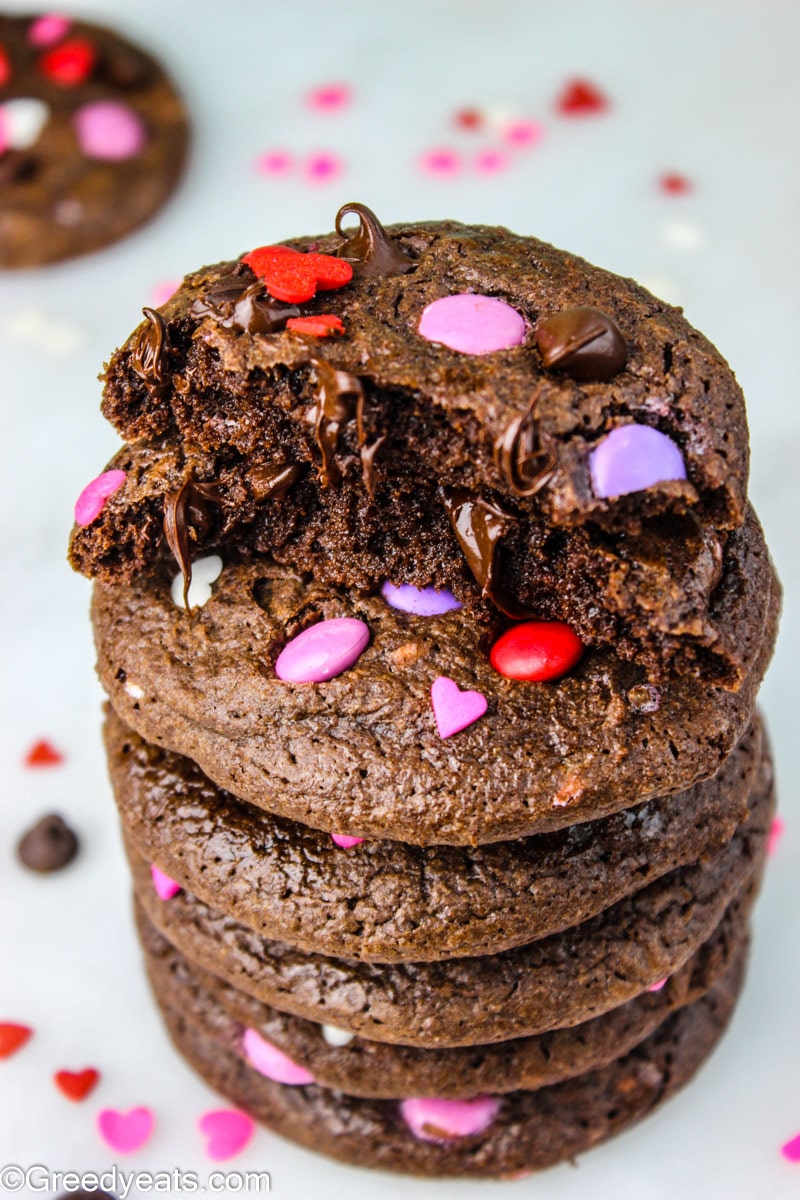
(204, 572)
(21, 122)
(335, 1036)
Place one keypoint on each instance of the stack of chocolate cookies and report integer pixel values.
(431, 613)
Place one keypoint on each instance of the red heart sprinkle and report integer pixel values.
(69, 64)
(43, 754)
(468, 118)
(5, 67)
(294, 277)
(581, 98)
(536, 651)
(674, 184)
(319, 326)
(12, 1038)
(76, 1085)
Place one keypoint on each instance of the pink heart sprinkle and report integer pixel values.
(523, 134)
(322, 168)
(433, 1120)
(109, 130)
(345, 841)
(45, 30)
(165, 887)
(274, 162)
(163, 291)
(453, 709)
(92, 499)
(489, 162)
(776, 831)
(270, 1061)
(441, 162)
(125, 1132)
(791, 1149)
(227, 1132)
(330, 97)
(656, 987)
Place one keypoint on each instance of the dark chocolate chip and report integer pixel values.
(48, 846)
(584, 342)
(371, 249)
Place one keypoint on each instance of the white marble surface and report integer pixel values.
(706, 88)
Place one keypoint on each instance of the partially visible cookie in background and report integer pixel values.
(93, 138)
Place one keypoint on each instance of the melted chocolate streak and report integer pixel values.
(150, 354)
(188, 516)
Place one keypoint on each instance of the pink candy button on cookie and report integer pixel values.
(268, 1060)
(323, 651)
(434, 1120)
(632, 458)
(472, 324)
(92, 499)
(110, 131)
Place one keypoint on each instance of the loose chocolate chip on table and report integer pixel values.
(584, 342)
(48, 846)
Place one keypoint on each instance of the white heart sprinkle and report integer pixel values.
(335, 1036)
(204, 572)
(22, 121)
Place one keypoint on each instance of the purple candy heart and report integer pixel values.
(632, 458)
(472, 324)
(323, 651)
(422, 602)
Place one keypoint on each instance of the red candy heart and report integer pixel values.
(581, 98)
(12, 1038)
(536, 651)
(76, 1085)
(69, 64)
(43, 754)
(319, 326)
(5, 67)
(294, 277)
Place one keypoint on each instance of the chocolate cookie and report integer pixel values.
(378, 1070)
(487, 414)
(364, 754)
(489, 1136)
(93, 138)
(559, 981)
(388, 901)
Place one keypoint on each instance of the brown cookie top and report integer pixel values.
(520, 1132)
(388, 901)
(361, 754)
(381, 454)
(93, 138)
(557, 982)
(377, 1070)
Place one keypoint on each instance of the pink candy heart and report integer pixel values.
(268, 1060)
(227, 1132)
(125, 1132)
(455, 710)
(165, 887)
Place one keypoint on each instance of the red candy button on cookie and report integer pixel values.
(294, 277)
(71, 63)
(536, 651)
(5, 68)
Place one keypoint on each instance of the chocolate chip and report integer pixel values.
(584, 342)
(48, 846)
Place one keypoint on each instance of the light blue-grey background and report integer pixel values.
(707, 88)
